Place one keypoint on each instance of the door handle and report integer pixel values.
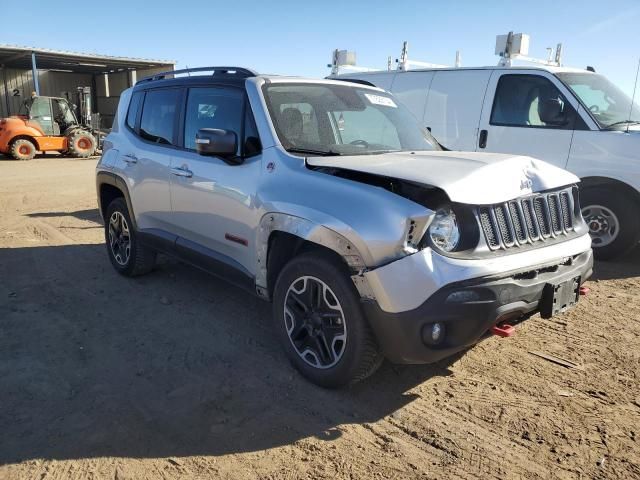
(482, 142)
(182, 172)
(130, 158)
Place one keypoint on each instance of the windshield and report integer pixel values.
(609, 105)
(326, 119)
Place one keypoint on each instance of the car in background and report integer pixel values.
(571, 118)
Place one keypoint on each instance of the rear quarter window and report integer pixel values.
(134, 108)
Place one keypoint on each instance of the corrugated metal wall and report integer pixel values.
(17, 82)
(52, 84)
(59, 84)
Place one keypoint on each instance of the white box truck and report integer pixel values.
(575, 119)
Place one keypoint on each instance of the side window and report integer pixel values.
(212, 108)
(519, 99)
(299, 123)
(369, 126)
(134, 107)
(158, 122)
(252, 145)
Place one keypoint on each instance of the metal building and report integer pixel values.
(59, 74)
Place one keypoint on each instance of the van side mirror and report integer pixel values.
(552, 112)
(216, 142)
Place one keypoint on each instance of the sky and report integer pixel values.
(297, 38)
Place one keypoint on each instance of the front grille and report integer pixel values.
(528, 220)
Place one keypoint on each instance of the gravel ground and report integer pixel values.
(178, 375)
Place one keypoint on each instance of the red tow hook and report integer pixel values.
(503, 330)
(584, 290)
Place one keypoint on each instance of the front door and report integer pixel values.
(511, 118)
(213, 199)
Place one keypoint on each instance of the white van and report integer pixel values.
(572, 118)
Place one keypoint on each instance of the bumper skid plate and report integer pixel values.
(468, 311)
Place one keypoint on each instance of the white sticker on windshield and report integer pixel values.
(380, 100)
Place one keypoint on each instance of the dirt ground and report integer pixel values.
(178, 375)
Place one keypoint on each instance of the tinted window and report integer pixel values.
(212, 108)
(252, 144)
(518, 98)
(158, 115)
(134, 106)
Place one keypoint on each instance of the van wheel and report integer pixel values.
(23, 149)
(320, 323)
(81, 144)
(127, 255)
(613, 222)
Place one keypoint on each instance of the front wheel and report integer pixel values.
(23, 149)
(613, 221)
(320, 322)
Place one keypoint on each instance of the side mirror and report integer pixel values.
(551, 112)
(216, 142)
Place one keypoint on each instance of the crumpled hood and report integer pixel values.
(466, 177)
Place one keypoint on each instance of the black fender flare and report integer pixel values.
(109, 178)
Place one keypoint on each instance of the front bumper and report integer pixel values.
(507, 296)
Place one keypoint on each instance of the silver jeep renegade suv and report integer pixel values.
(329, 200)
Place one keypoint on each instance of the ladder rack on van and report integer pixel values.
(240, 72)
(510, 47)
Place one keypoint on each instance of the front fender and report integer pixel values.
(307, 230)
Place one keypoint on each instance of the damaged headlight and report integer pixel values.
(444, 230)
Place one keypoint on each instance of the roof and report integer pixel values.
(227, 76)
(529, 66)
(14, 56)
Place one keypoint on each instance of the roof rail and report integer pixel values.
(240, 72)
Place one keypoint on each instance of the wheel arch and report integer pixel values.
(282, 236)
(610, 183)
(23, 136)
(110, 186)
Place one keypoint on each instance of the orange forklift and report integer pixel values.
(46, 124)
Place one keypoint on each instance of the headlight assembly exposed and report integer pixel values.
(444, 230)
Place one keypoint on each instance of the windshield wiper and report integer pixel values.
(623, 122)
(310, 151)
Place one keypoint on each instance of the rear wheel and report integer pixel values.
(612, 219)
(320, 322)
(127, 255)
(23, 149)
(82, 144)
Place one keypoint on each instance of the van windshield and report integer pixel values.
(328, 119)
(609, 105)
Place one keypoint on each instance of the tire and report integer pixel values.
(612, 219)
(129, 259)
(354, 353)
(82, 144)
(23, 149)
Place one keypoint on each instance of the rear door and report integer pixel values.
(145, 154)
(214, 207)
(511, 121)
